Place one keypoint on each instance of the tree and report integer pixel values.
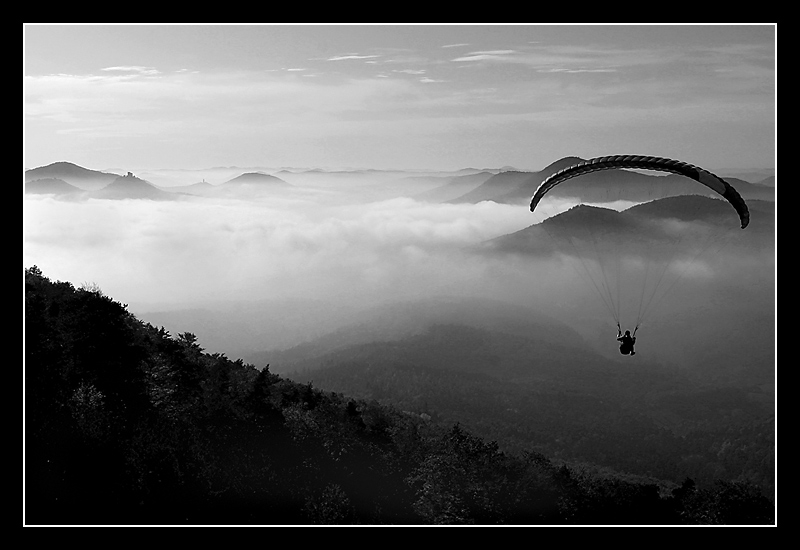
(460, 482)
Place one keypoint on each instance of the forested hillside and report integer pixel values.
(126, 423)
(568, 404)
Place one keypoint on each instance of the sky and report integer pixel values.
(444, 97)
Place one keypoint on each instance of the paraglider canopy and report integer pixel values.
(712, 181)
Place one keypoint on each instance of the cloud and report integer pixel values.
(352, 56)
(560, 99)
(145, 71)
(180, 112)
(303, 246)
(488, 55)
(565, 70)
(326, 246)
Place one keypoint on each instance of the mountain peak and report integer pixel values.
(257, 178)
(59, 170)
(560, 164)
(130, 180)
(73, 174)
(587, 216)
(131, 187)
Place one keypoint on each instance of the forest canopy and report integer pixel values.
(126, 423)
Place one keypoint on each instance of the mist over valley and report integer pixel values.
(441, 294)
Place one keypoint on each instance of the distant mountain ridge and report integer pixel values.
(249, 184)
(496, 186)
(75, 175)
(257, 178)
(131, 187)
(465, 186)
(118, 188)
(51, 186)
(68, 179)
(396, 321)
(513, 183)
(642, 224)
(454, 187)
(601, 186)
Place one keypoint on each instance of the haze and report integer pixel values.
(182, 104)
(211, 249)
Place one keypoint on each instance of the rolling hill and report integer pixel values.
(200, 188)
(51, 186)
(551, 395)
(131, 187)
(256, 179)
(511, 183)
(453, 187)
(642, 226)
(496, 186)
(395, 321)
(73, 174)
(601, 186)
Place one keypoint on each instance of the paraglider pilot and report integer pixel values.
(626, 342)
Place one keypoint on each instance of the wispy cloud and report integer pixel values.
(352, 56)
(137, 69)
(565, 70)
(413, 98)
(487, 55)
(201, 111)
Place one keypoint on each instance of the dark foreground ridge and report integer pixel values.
(127, 424)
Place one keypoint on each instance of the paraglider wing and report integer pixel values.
(704, 177)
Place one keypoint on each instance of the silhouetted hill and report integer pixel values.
(642, 224)
(247, 185)
(127, 424)
(257, 179)
(505, 356)
(131, 187)
(560, 164)
(767, 182)
(199, 188)
(496, 186)
(73, 174)
(715, 212)
(453, 187)
(53, 186)
(580, 224)
(395, 321)
(601, 186)
(559, 399)
(612, 185)
(507, 186)
(687, 208)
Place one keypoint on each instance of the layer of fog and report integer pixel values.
(274, 270)
(323, 244)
